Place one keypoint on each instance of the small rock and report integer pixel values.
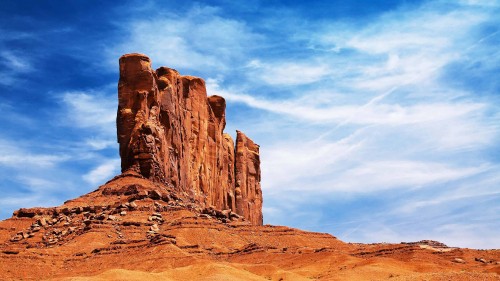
(16, 238)
(133, 205)
(155, 195)
(480, 260)
(11, 252)
(66, 211)
(166, 198)
(111, 218)
(42, 221)
(52, 241)
(154, 228)
(226, 213)
(235, 215)
(458, 260)
(123, 213)
(102, 217)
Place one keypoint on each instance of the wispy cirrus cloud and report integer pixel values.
(92, 110)
(103, 172)
(11, 155)
(199, 38)
(12, 65)
(364, 114)
(288, 73)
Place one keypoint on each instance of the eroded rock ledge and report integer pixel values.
(170, 132)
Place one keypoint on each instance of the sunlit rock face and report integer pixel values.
(169, 131)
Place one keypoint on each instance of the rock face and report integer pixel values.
(247, 173)
(170, 132)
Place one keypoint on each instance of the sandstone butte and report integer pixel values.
(188, 206)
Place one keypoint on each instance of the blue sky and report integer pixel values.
(378, 121)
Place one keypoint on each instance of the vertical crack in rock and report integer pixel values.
(169, 131)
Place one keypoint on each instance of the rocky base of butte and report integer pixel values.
(188, 206)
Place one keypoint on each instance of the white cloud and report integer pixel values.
(486, 3)
(370, 113)
(90, 110)
(11, 155)
(484, 187)
(402, 48)
(13, 64)
(466, 235)
(379, 175)
(197, 39)
(293, 161)
(103, 172)
(287, 73)
(100, 144)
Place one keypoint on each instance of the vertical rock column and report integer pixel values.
(140, 135)
(247, 172)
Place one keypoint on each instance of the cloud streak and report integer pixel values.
(198, 38)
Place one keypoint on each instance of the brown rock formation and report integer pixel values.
(170, 132)
(247, 170)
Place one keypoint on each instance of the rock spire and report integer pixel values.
(170, 132)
